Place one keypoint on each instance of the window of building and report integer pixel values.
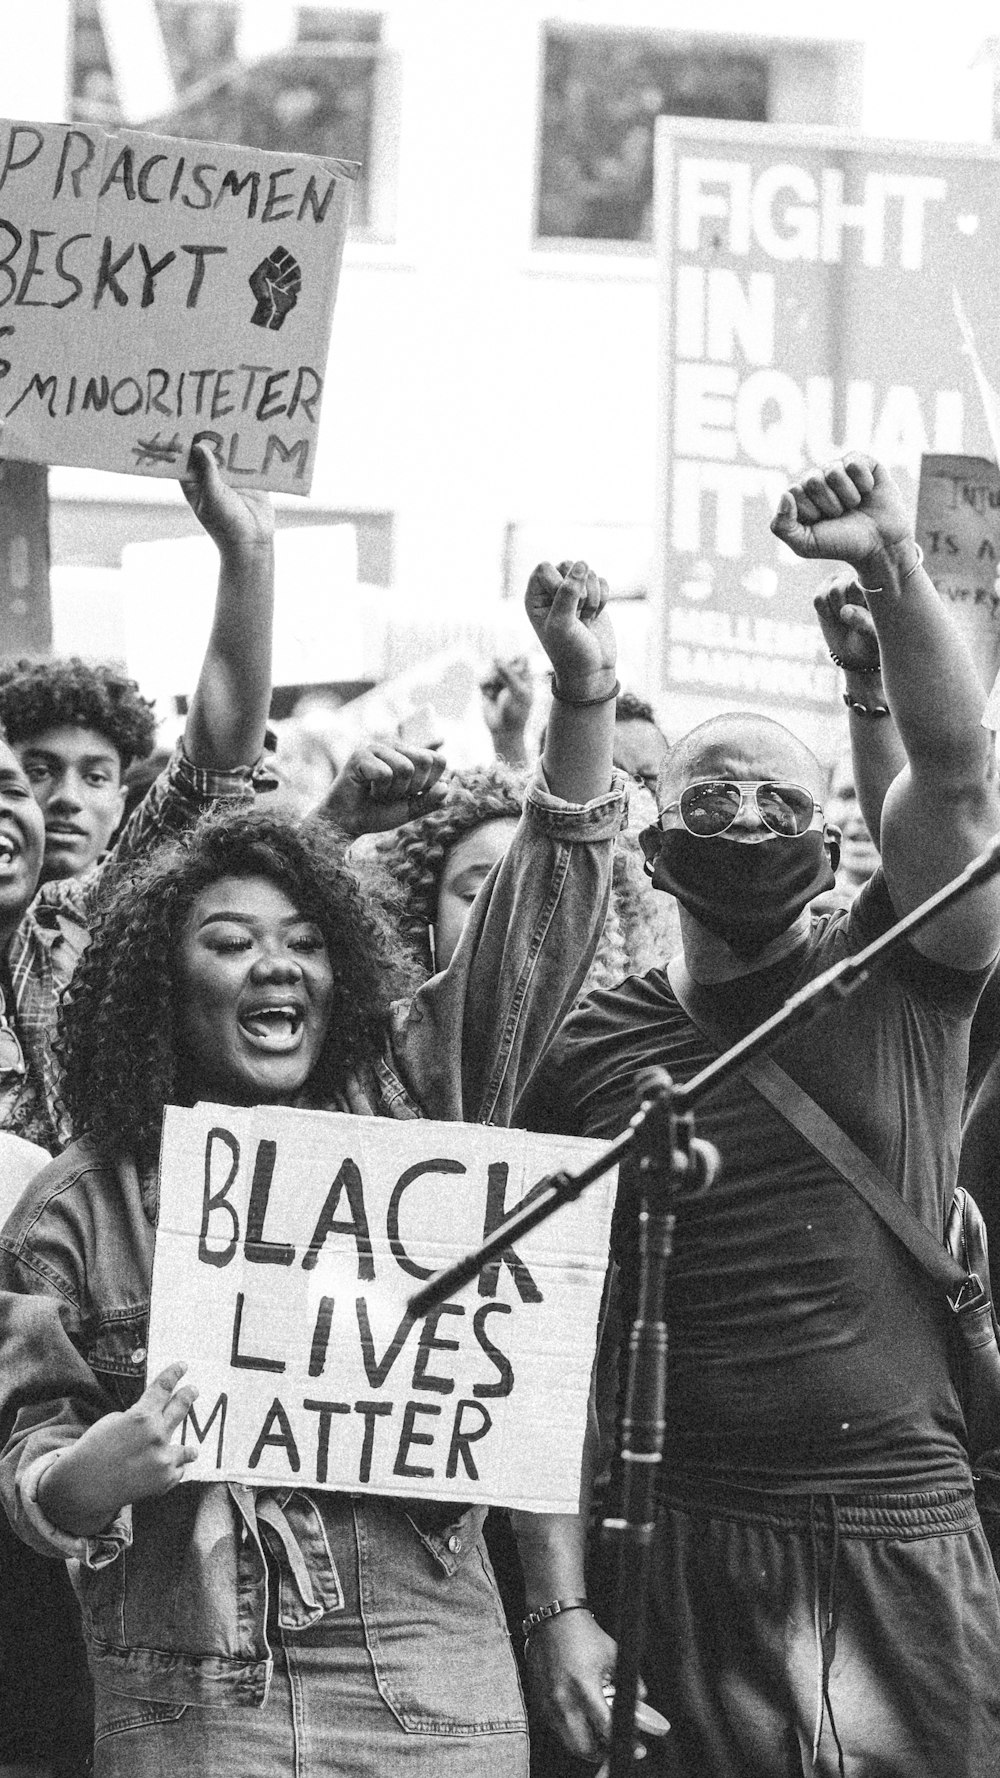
(603, 89)
(319, 93)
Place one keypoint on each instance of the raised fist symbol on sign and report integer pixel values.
(276, 283)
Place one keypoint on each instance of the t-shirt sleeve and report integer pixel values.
(954, 991)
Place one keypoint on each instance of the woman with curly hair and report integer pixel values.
(233, 1629)
(439, 862)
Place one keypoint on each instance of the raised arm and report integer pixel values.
(943, 808)
(228, 712)
(566, 606)
(876, 749)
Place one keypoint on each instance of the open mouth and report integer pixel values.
(274, 1028)
(10, 851)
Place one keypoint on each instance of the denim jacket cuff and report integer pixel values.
(92, 1552)
(600, 819)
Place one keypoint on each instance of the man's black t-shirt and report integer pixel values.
(807, 1348)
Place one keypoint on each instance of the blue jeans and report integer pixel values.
(412, 1678)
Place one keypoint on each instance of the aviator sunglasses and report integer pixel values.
(713, 805)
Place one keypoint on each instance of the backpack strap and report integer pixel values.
(827, 1138)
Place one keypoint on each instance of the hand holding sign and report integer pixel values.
(238, 522)
(121, 1458)
(851, 511)
(566, 606)
(846, 623)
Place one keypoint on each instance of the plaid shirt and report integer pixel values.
(50, 940)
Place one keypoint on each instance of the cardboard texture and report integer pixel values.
(156, 290)
(958, 528)
(287, 1246)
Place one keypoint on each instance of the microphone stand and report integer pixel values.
(673, 1164)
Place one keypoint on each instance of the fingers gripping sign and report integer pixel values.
(235, 519)
(566, 607)
(850, 511)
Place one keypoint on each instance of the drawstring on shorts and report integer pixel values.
(824, 1624)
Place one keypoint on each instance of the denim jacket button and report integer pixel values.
(138, 1355)
(454, 1544)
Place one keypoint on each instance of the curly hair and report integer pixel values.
(119, 1026)
(414, 856)
(40, 695)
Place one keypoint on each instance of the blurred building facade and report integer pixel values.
(492, 387)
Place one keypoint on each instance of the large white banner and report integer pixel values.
(155, 291)
(287, 1247)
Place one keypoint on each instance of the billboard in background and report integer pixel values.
(808, 304)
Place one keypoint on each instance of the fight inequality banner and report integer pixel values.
(818, 294)
(287, 1247)
(155, 291)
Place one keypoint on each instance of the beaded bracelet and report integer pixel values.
(912, 569)
(585, 703)
(553, 1609)
(874, 711)
(854, 666)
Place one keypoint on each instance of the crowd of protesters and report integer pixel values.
(510, 944)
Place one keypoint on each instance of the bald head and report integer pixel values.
(742, 746)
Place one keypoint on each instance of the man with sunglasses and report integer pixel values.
(822, 1598)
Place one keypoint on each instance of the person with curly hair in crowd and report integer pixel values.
(76, 728)
(46, 1712)
(249, 965)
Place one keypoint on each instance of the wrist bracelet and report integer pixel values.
(912, 569)
(873, 711)
(554, 1609)
(854, 666)
(584, 703)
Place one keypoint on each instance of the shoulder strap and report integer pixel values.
(826, 1137)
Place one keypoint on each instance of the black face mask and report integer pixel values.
(747, 894)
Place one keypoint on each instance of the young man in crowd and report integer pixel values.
(42, 935)
(76, 728)
(822, 1596)
(45, 1694)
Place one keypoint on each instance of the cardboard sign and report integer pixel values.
(809, 285)
(155, 291)
(287, 1247)
(958, 527)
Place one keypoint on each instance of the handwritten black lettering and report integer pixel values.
(430, 1341)
(201, 1432)
(218, 1200)
(321, 1337)
(408, 1436)
(377, 1369)
(12, 165)
(277, 1433)
(348, 1180)
(462, 1437)
(489, 1277)
(497, 1358)
(248, 1361)
(326, 1411)
(76, 172)
(405, 1180)
(258, 1251)
(372, 1411)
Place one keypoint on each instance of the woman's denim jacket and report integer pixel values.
(178, 1610)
